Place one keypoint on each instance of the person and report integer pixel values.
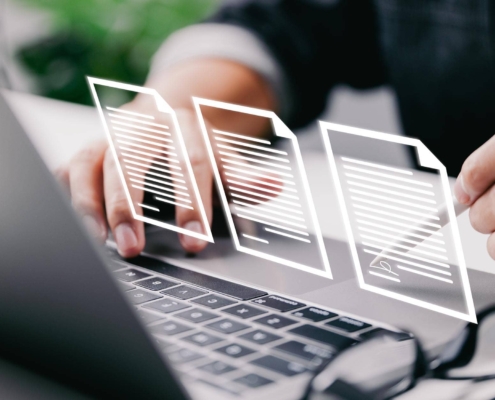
(286, 56)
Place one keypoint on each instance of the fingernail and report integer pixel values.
(94, 226)
(125, 237)
(189, 241)
(460, 191)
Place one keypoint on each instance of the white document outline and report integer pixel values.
(281, 129)
(427, 159)
(163, 107)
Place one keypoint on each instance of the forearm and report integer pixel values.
(215, 79)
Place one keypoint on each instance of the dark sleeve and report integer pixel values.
(318, 44)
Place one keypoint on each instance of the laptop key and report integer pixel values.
(202, 339)
(275, 321)
(213, 301)
(235, 350)
(169, 328)
(184, 292)
(253, 381)
(196, 315)
(227, 326)
(338, 342)
(287, 368)
(308, 352)
(156, 284)
(278, 303)
(148, 317)
(260, 337)
(183, 356)
(130, 275)
(399, 336)
(217, 368)
(348, 324)
(125, 286)
(243, 311)
(167, 305)
(138, 296)
(314, 314)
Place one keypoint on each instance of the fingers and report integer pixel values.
(490, 245)
(482, 212)
(187, 218)
(127, 231)
(85, 180)
(477, 174)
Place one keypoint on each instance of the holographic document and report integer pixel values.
(151, 156)
(400, 219)
(263, 188)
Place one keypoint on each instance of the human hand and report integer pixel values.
(475, 186)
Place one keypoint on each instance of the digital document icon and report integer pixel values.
(151, 156)
(264, 190)
(400, 219)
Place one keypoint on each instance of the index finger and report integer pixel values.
(477, 174)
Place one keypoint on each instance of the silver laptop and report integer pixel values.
(164, 325)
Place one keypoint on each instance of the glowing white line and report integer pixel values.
(117, 128)
(385, 198)
(395, 216)
(374, 231)
(159, 193)
(224, 153)
(155, 174)
(406, 255)
(369, 164)
(395, 178)
(178, 192)
(384, 276)
(260, 182)
(289, 196)
(272, 224)
(258, 174)
(398, 224)
(252, 146)
(254, 153)
(402, 233)
(409, 262)
(157, 180)
(264, 197)
(393, 192)
(255, 238)
(162, 139)
(395, 185)
(256, 167)
(407, 248)
(241, 136)
(270, 218)
(287, 235)
(151, 155)
(173, 202)
(257, 207)
(160, 132)
(147, 147)
(148, 207)
(239, 196)
(146, 141)
(130, 113)
(395, 208)
(425, 274)
(137, 120)
(151, 165)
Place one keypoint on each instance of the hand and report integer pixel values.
(475, 187)
(98, 194)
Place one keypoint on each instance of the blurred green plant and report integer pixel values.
(113, 39)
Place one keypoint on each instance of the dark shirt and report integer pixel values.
(437, 55)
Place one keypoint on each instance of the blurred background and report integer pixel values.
(52, 44)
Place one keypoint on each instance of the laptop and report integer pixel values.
(164, 325)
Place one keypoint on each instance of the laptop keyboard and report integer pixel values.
(232, 337)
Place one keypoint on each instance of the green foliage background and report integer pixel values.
(112, 39)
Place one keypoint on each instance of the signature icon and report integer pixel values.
(385, 266)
